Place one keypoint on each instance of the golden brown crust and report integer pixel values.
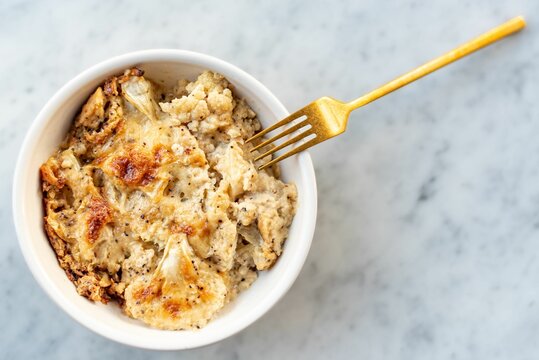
(89, 286)
(111, 87)
(182, 228)
(50, 177)
(149, 292)
(86, 281)
(99, 214)
(130, 73)
(93, 112)
(59, 247)
(135, 168)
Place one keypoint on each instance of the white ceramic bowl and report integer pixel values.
(50, 127)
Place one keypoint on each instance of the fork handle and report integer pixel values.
(498, 33)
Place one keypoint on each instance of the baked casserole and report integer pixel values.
(153, 200)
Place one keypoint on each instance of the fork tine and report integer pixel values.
(285, 121)
(285, 144)
(294, 151)
(290, 130)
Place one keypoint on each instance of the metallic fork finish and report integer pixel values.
(326, 117)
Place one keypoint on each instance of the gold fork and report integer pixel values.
(326, 117)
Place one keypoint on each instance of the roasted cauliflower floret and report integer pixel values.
(183, 293)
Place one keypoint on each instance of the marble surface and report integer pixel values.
(427, 240)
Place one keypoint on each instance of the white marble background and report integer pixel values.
(427, 240)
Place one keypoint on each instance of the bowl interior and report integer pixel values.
(49, 130)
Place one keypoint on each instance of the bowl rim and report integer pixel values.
(44, 117)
